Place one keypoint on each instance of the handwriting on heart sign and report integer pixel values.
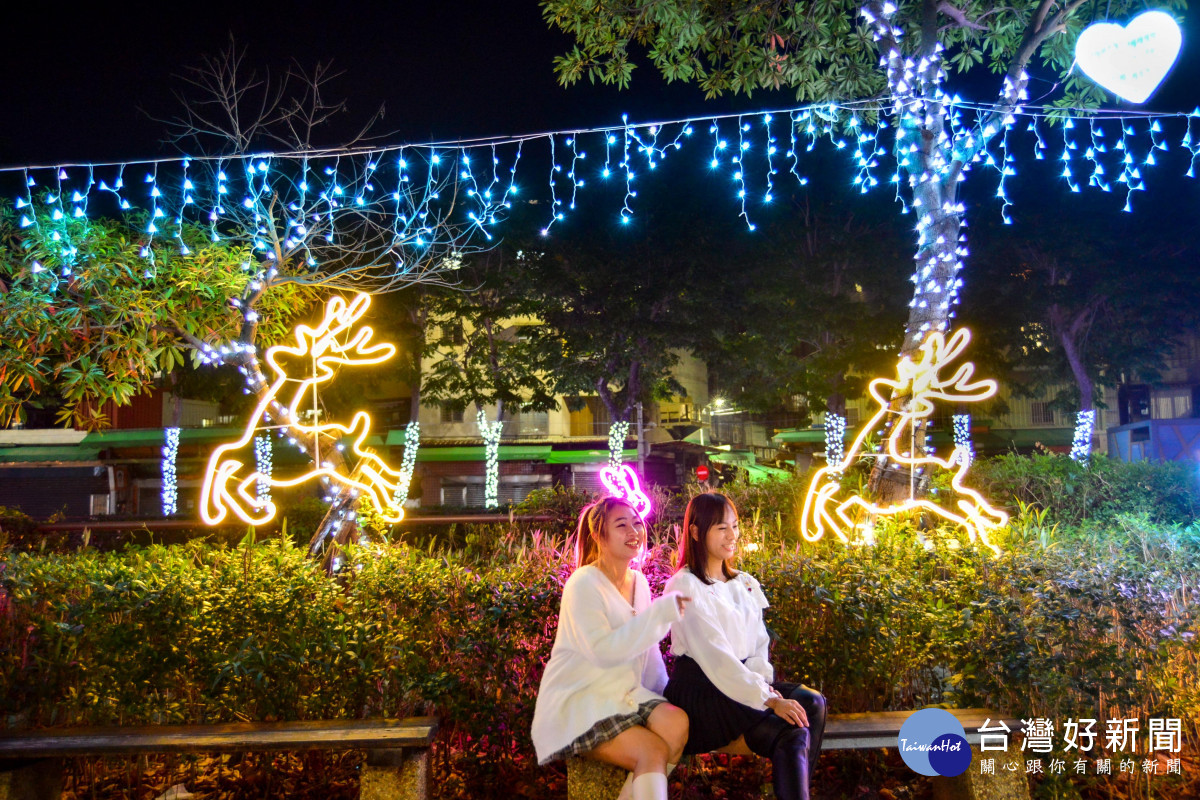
(1132, 60)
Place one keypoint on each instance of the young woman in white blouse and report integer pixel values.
(723, 676)
(600, 694)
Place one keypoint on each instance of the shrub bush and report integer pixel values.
(1096, 490)
(17, 529)
(205, 633)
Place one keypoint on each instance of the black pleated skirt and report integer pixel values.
(714, 718)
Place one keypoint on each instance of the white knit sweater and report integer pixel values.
(605, 659)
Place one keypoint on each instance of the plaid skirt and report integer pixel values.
(606, 729)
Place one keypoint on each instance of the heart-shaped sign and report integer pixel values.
(1132, 60)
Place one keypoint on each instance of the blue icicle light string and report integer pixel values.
(412, 190)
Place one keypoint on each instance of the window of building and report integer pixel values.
(453, 330)
(450, 415)
(1041, 414)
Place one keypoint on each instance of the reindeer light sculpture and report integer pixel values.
(336, 341)
(922, 382)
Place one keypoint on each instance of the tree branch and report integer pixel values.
(956, 14)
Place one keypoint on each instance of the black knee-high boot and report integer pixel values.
(787, 746)
(814, 707)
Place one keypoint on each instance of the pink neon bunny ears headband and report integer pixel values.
(622, 482)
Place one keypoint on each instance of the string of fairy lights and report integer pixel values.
(618, 430)
(170, 476)
(835, 439)
(751, 153)
(961, 429)
(408, 462)
(264, 464)
(491, 433)
(1085, 426)
(411, 190)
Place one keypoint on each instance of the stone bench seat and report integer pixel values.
(593, 780)
(397, 764)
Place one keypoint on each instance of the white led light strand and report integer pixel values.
(170, 485)
(408, 462)
(1081, 443)
(962, 436)
(617, 432)
(327, 192)
(490, 431)
(835, 440)
(263, 453)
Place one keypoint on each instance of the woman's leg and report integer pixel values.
(671, 724)
(639, 750)
(814, 706)
(787, 746)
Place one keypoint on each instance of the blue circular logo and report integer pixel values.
(932, 742)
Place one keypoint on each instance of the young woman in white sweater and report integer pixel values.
(600, 696)
(723, 676)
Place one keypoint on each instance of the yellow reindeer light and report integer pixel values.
(335, 341)
(923, 383)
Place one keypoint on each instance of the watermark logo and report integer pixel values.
(932, 742)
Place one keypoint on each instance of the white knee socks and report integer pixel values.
(627, 789)
(650, 786)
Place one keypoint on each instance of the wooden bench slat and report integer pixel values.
(226, 737)
(880, 728)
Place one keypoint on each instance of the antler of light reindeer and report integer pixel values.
(320, 349)
(922, 383)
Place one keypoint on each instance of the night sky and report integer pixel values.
(77, 82)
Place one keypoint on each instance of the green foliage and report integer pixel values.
(203, 633)
(475, 343)
(103, 330)
(1056, 306)
(821, 50)
(1095, 491)
(561, 503)
(17, 529)
(1090, 620)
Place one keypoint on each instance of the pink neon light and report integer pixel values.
(624, 483)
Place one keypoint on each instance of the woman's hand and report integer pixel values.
(788, 711)
(681, 601)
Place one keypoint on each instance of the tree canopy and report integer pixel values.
(1065, 298)
(104, 323)
(474, 342)
(821, 50)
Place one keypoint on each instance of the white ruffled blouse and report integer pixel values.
(722, 629)
(605, 659)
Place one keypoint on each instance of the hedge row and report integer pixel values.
(204, 633)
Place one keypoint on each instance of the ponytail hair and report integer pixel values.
(591, 528)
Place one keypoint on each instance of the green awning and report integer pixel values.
(395, 438)
(586, 456)
(738, 457)
(156, 437)
(756, 473)
(1006, 438)
(147, 437)
(10, 455)
(514, 452)
(798, 435)
(374, 440)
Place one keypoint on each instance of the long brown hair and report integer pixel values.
(591, 528)
(704, 511)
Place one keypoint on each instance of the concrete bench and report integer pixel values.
(397, 765)
(593, 780)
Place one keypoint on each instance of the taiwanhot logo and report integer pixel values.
(932, 742)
